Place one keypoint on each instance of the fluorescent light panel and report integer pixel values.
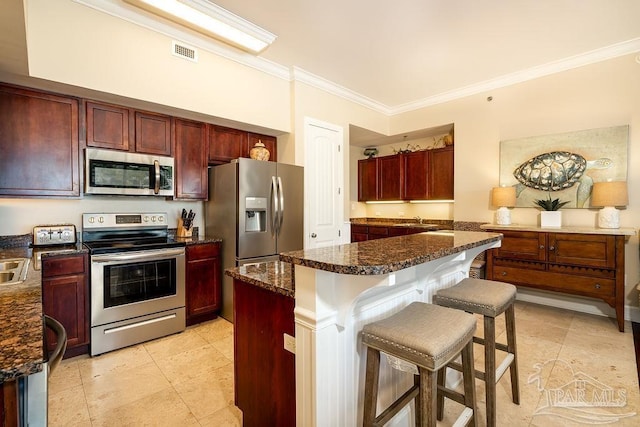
(212, 20)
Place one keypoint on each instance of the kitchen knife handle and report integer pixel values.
(156, 186)
(281, 193)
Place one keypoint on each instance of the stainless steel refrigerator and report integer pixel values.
(257, 209)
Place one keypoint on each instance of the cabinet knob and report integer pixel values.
(314, 235)
(552, 248)
(541, 246)
(504, 273)
(597, 286)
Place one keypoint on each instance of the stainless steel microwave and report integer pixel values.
(130, 174)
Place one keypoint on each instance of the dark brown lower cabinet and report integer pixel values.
(265, 386)
(9, 404)
(203, 291)
(65, 297)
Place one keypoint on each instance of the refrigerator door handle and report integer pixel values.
(274, 207)
(281, 194)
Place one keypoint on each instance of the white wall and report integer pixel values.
(599, 95)
(73, 44)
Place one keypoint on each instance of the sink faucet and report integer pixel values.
(417, 218)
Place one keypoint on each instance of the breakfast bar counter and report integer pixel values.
(339, 289)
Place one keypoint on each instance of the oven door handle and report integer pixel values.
(138, 256)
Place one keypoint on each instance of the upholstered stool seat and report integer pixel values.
(489, 299)
(430, 337)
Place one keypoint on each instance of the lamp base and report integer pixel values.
(503, 216)
(609, 217)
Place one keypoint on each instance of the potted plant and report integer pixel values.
(551, 215)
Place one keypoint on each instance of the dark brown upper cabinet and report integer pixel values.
(191, 155)
(225, 144)
(420, 175)
(153, 133)
(120, 128)
(39, 137)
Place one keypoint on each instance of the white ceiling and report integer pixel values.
(402, 51)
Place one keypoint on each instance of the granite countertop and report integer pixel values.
(387, 255)
(441, 224)
(564, 229)
(276, 276)
(21, 321)
(198, 239)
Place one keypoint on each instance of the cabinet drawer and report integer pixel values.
(398, 231)
(59, 266)
(205, 250)
(522, 245)
(360, 229)
(550, 281)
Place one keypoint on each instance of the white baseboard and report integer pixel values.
(574, 303)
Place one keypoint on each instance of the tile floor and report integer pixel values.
(575, 369)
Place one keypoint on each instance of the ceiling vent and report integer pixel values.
(183, 51)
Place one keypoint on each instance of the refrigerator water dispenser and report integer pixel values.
(255, 214)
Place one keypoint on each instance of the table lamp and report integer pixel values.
(608, 195)
(504, 198)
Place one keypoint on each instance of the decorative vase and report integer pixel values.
(259, 151)
(551, 219)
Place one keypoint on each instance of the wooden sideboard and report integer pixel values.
(572, 260)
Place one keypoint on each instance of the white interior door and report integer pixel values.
(324, 205)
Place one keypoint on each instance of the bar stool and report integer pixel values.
(490, 299)
(428, 336)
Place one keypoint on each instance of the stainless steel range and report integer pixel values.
(137, 279)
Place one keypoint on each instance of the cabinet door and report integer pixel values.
(378, 232)
(39, 144)
(191, 155)
(264, 371)
(415, 167)
(367, 179)
(270, 143)
(203, 291)
(524, 245)
(225, 144)
(441, 174)
(107, 126)
(589, 250)
(64, 300)
(153, 133)
(389, 178)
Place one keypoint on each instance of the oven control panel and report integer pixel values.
(46, 235)
(127, 220)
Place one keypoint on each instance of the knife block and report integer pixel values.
(182, 231)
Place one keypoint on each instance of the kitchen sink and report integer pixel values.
(13, 270)
(416, 225)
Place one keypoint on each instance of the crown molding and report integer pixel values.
(146, 20)
(123, 11)
(303, 76)
(576, 61)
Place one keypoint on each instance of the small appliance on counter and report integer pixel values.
(52, 238)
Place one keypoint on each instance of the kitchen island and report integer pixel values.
(339, 289)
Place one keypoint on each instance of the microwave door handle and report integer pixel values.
(274, 206)
(156, 187)
(281, 193)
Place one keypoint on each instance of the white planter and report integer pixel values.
(551, 219)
